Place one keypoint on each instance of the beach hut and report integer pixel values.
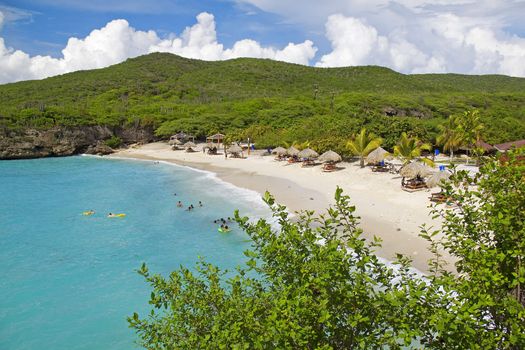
(216, 138)
(329, 158)
(437, 178)
(235, 151)
(504, 147)
(190, 146)
(376, 156)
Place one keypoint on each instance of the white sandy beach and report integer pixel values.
(385, 209)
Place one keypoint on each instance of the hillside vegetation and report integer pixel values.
(266, 100)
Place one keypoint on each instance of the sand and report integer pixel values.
(386, 210)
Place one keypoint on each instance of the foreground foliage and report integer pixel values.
(317, 284)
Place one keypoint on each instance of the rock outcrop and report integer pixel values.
(66, 141)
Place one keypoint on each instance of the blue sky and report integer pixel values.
(45, 26)
(37, 37)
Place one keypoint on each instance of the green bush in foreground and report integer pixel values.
(317, 284)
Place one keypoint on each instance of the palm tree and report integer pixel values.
(362, 144)
(451, 137)
(409, 148)
(470, 128)
(299, 145)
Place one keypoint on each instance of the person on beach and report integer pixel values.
(179, 204)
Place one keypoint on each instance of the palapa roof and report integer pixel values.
(190, 144)
(235, 149)
(280, 151)
(415, 169)
(376, 155)
(436, 178)
(502, 147)
(330, 157)
(292, 151)
(308, 153)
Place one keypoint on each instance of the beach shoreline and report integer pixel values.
(386, 211)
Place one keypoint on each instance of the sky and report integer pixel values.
(41, 38)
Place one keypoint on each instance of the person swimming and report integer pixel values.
(111, 215)
(200, 204)
(179, 204)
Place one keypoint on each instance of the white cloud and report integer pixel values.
(118, 41)
(354, 42)
(414, 36)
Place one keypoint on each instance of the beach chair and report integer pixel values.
(329, 167)
(307, 163)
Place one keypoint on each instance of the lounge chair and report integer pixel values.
(413, 185)
(380, 168)
(308, 163)
(329, 167)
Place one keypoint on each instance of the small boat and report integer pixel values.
(224, 230)
(88, 213)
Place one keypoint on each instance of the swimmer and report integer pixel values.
(200, 204)
(111, 215)
(226, 227)
(179, 204)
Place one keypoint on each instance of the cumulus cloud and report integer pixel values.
(414, 36)
(117, 41)
(354, 42)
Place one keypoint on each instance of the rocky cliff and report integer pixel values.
(66, 141)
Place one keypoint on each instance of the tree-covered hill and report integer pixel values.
(268, 100)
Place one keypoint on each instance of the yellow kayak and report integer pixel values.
(88, 213)
(117, 215)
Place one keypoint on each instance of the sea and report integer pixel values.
(68, 281)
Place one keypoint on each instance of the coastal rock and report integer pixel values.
(100, 149)
(66, 141)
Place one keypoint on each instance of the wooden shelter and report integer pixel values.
(504, 147)
(216, 138)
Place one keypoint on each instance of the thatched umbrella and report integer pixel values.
(415, 169)
(437, 178)
(330, 157)
(292, 151)
(174, 142)
(280, 151)
(210, 145)
(308, 153)
(235, 149)
(376, 156)
(189, 145)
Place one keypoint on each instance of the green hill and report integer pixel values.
(267, 100)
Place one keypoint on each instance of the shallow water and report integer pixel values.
(68, 280)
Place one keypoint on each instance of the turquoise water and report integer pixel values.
(68, 280)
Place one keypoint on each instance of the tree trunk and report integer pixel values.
(362, 162)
